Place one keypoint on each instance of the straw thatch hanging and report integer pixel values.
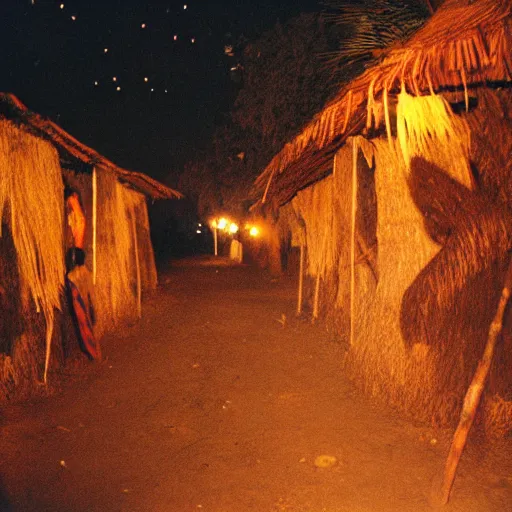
(115, 292)
(31, 192)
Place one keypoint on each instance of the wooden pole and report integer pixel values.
(49, 334)
(353, 241)
(301, 280)
(215, 240)
(137, 264)
(317, 294)
(472, 399)
(94, 221)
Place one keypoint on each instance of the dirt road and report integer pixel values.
(211, 404)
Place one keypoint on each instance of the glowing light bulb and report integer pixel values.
(95, 82)
(114, 79)
(254, 231)
(146, 79)
(105, 50)
(222, 223)
(185, 6)
(143, 25)
(233, 228)
(62, 6)
(118, 88)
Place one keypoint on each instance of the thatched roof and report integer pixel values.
(70, 148)
(464, 45)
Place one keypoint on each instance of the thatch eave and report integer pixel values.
(464, 45)
(73, 150)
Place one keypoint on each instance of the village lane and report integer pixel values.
(220, 400)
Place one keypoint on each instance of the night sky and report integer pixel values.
(142, 82)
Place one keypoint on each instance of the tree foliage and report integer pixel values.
(287, 75)
(284, 83)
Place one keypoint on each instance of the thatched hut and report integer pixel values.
(38, 158)
(399, 192)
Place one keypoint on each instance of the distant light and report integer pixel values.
(105, 50)
(233, 228)
(200, 225)
(185, 6)
(222, 223)
(146, 79)
(165, 91)
(62, 6)
(114, 79)
(254, 231)
(193, 40)
(118, 88)
(198, 231)
(73, 18)
(152, 90)
(175, 37)
(143, 25)
(96, 82)
(214, 224)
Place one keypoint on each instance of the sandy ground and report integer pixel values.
(210, 403)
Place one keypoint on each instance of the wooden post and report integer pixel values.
(49, 334)
(94, 221)
(472, 399)
(301, 280)
(137, 264)
(317, 294)
(353, 241)
(215, 240)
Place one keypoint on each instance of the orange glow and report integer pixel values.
(254, 231)
(222, 223)
(233, 228)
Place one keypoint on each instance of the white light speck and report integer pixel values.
(95, 82)
(118, 88)
(175, 38)
(143, 25)
(185, 6)
(193, 40)
(152, 90)
(146, 79)
(114, 79)
(73, 18)
(105, 50)
(62, 6)
(165, 91)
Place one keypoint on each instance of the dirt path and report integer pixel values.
(211, 404)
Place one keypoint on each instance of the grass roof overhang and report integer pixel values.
(466, 44)
(76, 155)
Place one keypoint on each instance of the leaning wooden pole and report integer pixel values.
(472, 399)
(301, 280)
(353, 240)
(316, 299)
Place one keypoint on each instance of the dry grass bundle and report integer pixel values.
(32, 188)
(426, 127)
(31, 185)
(315, 205)
(115, 291)
(290, 225)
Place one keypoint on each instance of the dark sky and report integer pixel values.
(53, 52)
